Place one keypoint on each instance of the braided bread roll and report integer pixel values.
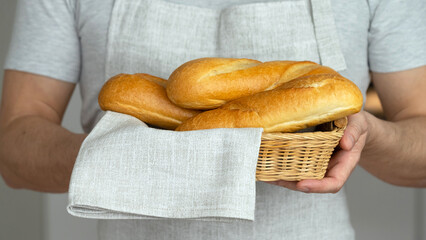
(208, 83)
(295, 105)
(144, 97)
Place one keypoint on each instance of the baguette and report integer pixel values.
(208, 83)
(301, 103)
(144, 97)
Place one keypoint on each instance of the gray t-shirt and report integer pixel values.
(67, 39)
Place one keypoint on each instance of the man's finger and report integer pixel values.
(344, 162)
(356, 127)
(331, 183)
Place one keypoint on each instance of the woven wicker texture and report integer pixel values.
(297, 156)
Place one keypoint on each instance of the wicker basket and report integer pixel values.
(297, 156)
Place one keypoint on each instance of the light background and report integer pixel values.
(378, 210)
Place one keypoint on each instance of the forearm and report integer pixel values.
(37, 154)
(396, 151)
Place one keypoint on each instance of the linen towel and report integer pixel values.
(126, 170)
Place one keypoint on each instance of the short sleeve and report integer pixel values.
(45, 40)
(397, 36)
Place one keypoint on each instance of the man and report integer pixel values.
(55, 44)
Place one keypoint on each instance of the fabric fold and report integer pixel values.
(126, 170)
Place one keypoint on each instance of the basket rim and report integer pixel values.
(282, 135)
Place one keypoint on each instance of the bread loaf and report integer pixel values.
(208, 83)
(278, 96)
(144, 97)
(304, 102)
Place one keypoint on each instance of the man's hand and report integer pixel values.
(393, 150)
(342, 163)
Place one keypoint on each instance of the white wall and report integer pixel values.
(379, 211)
(422, 215)
(20, 214)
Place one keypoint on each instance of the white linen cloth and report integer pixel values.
(126, 170)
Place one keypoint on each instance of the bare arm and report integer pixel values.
(396, 149)
(35, 151)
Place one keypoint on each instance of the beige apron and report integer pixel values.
(156, 36)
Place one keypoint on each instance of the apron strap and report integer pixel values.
(326, 35)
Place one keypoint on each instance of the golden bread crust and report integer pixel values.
(295, 105)
(208, 83)
(144, 97)
(278, 96)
